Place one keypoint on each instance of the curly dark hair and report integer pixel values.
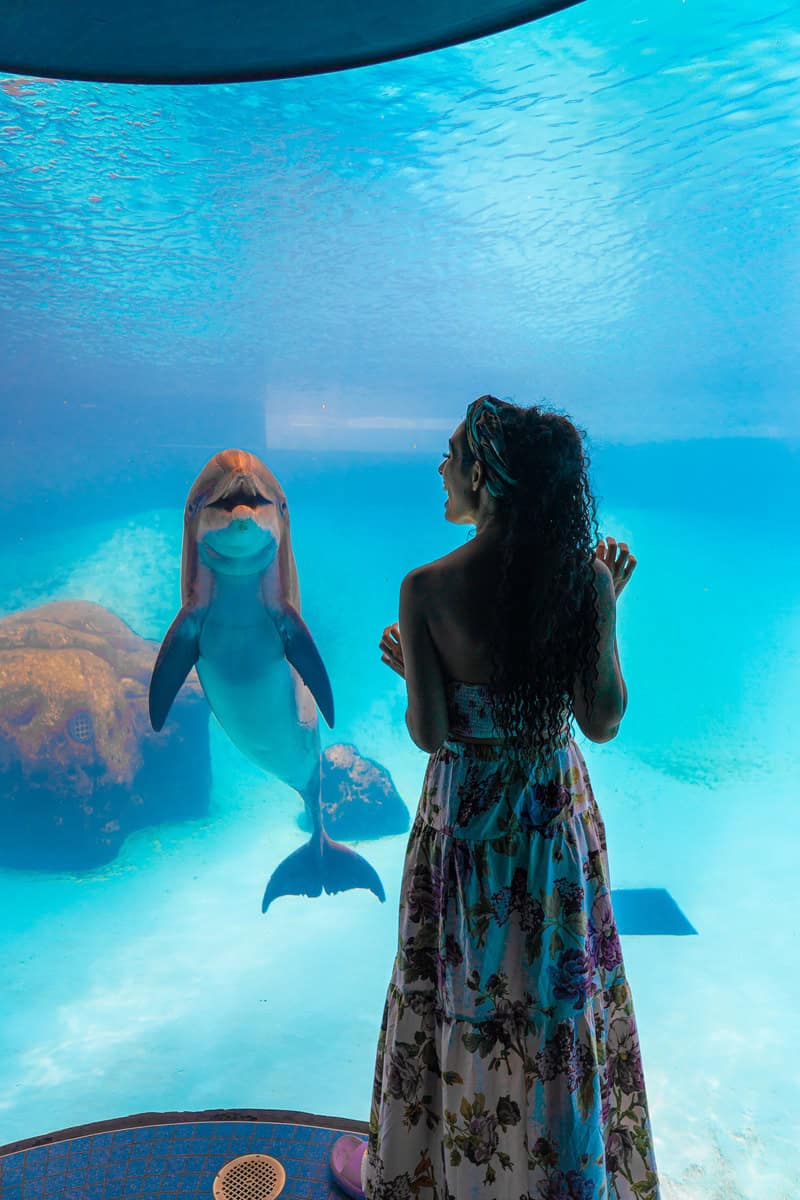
(544, 630)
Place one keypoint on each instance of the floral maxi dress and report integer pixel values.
(508, 1064)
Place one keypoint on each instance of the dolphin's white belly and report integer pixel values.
(258, 698)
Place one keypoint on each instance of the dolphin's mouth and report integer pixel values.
(238, 491)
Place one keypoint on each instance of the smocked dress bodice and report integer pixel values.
(469, 708)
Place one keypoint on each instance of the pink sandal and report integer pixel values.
(346, 1156)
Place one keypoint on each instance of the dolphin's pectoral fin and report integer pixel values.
(305, 873)
(343, 869)
(179, 652)
(301, 652)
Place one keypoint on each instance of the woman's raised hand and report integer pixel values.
(391, 649)
(619, 560)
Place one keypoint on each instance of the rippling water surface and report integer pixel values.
(600, 207)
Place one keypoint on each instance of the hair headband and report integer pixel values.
(487, 444)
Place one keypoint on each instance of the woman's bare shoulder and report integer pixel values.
(439, 569)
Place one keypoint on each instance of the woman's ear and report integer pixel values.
(477, 476)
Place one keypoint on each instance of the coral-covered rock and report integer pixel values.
(80, 767)
(359, 799)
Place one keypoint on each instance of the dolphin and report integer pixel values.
(240, 626)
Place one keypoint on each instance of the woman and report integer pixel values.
(508, 1064)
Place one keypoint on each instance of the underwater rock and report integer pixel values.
(80, 767)
(359, 799)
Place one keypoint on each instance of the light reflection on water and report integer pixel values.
(599, 205)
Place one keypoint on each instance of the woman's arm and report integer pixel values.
(426, 715)
(613, 566)
(600, 719)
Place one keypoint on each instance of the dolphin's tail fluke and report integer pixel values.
(343, 869)
(306, 872)
(298, 875)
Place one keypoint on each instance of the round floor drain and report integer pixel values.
(251, 1177)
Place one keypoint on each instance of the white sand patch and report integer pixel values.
(131, 567)
(134, 571)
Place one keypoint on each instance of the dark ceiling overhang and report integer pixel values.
(216, 41)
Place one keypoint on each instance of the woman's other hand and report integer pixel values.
(391, 649)
(620, 562)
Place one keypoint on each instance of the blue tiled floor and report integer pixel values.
(167, 1162)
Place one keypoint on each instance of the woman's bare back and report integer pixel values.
(461, 590)
(449, 603)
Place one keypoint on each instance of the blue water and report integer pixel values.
(155, 983)
(600, 209)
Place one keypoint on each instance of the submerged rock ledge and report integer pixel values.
(359, 799)
(80, 767)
